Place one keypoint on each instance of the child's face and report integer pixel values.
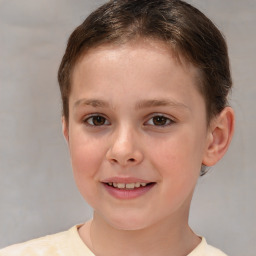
(136, 116)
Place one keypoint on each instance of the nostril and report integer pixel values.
(131, 160)
(113, 160)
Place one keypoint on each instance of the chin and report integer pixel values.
(128, 222)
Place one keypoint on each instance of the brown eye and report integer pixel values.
(159, 120)
(97, 121)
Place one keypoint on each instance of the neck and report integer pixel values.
(167, 237)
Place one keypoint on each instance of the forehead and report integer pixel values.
(126, 74)
(140, 48)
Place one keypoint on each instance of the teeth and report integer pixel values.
(137, 184)
(120, 185)
(130, 185)
(127, 185)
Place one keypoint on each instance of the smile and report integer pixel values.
(127, 185)
(129, 190)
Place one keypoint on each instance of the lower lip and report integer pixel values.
(128, 193)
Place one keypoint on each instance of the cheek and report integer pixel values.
(85, 153)
(86, 158)
(83, 160)
(178, 157)
(177, 161)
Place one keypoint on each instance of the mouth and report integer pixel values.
(128, 186)
(131, 190)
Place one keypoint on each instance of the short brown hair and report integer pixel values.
(189, 32)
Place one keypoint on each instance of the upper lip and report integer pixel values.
(125, 180)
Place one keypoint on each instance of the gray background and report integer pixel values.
(38, 195)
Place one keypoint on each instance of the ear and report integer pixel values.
(220, 134)
(65, 128)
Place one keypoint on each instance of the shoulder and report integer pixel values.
(204, 249)
(212, 251)
(49, 245)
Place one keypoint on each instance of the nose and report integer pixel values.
(124, 148)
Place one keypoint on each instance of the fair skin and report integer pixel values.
(136, 116)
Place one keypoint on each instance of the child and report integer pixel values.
(144, 85)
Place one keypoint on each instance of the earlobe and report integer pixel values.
(219, 137)
(65, 128)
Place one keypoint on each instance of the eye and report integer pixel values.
(96, 120)
(159, 120)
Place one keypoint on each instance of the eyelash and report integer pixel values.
(168, 121)
(90, 121)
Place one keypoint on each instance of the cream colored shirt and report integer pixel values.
(69, 243)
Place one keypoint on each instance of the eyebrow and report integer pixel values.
(139, 105)
(92, 102)
(159, 103)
